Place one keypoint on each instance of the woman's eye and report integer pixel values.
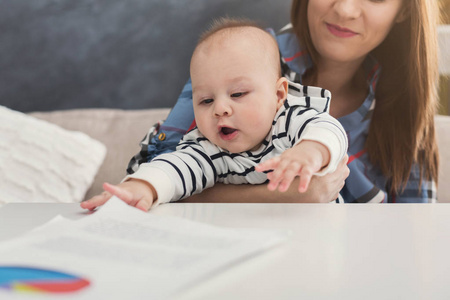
(237, 95)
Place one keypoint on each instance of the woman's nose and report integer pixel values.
(348, 9)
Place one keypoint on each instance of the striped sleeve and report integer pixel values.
(179, 174)
(328, 131)
(308, 119)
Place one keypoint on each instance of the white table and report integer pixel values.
(362, 251)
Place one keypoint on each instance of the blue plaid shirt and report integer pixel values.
(365, 183)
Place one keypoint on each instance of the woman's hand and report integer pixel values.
(134, 192)
(322, 189)
(326, 188)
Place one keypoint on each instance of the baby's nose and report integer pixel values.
(222, 108)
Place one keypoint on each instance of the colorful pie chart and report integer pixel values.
(36, 280)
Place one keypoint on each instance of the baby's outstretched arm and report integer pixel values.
(303, 160)
(134, 192)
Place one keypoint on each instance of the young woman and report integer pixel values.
(391, 43)
(379, 60)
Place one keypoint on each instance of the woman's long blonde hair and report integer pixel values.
(402, 130)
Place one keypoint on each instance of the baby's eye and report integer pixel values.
(206, 101)
(237, 95)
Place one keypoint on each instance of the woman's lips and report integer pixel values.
(340, 31)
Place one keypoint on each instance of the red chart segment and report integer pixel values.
(37, 280)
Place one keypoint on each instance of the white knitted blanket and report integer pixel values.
(42, 162)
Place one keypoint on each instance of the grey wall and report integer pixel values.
(131, 54)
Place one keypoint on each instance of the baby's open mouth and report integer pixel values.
(227, 130)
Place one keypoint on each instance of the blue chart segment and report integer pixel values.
(36, 280)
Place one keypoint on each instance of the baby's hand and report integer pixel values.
(136, 193)
(303, 160)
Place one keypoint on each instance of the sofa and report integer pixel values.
(58, 55)
(121, 130)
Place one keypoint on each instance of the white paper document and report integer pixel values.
(120, 252)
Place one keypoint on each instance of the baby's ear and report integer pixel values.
(282, 91)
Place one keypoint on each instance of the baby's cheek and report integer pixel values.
(200, 123)
(261, 119)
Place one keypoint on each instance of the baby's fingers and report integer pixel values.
(287, 178)
(96, 201)
(305, 178)
(268, 164)
(143, 205)
(121, 193)
(278, 175)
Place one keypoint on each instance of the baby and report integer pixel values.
(253, 125)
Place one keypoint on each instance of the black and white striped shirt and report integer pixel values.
(198, 164)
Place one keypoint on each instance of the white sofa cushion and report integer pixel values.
(119, 130)
(42, 162)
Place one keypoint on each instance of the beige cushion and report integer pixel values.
(443, 138)
(119, 130)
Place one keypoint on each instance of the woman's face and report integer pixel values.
(347, 30)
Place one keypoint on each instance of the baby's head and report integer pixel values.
(237, 84)
(250, 37)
